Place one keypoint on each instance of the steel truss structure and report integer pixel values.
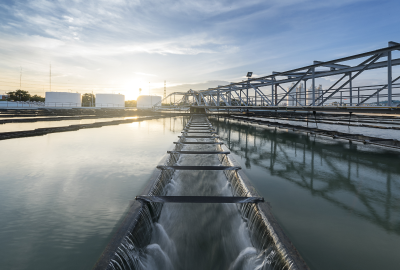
(282, 88)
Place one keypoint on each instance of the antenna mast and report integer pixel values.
(50, 77)
(165, 89)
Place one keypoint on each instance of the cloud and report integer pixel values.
(145, 74)
(105, 42)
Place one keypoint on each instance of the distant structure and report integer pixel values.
(147, 102)
(110, 100)
(50, 78)
(63, 99)
(318, 92)
(301, 97)
(297, 97)
(165, 89)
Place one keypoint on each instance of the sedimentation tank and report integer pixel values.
(63, 99)
(110, 100)
(199, 211)
(147, 102)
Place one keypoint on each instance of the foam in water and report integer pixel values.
(199, 236)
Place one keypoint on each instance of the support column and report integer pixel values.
(247, 91)
(218, 97)
(276, 94)
(272, 94)
(255, 98)
(305, 93)
(390, 79)
(313, 87)
(351, 89)
(358, 100)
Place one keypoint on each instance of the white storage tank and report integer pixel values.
(290, 101)
(63, 99)
(110, 100)
(147, 102)
(300, 94)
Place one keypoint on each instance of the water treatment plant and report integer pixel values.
(276, 145)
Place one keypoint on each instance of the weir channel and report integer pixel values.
(199, 211)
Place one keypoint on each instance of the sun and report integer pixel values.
(131, 89)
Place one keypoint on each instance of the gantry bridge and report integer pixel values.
(288, 90)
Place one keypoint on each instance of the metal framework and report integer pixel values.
(289, 88)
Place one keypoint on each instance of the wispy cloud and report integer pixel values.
(145, 74)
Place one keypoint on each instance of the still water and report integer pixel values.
(63, 194)
(339, 203)
(10, 127)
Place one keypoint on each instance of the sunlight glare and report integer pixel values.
(131, 88)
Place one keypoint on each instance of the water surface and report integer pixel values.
(62, 194)
(339, 203)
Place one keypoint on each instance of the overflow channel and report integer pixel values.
(199, 211)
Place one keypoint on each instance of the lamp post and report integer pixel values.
(249, 74)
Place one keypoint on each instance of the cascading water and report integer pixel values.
(205, 235)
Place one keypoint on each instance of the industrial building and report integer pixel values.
(110, 100)
(147, 102)
(301, 97)
(63, 99)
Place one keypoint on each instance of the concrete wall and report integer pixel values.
(110, 100)
(147, 102)
(63, 99)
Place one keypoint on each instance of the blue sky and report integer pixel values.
(119, 46)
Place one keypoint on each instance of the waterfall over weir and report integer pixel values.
(194, 236)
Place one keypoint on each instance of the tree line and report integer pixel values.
(22, 95)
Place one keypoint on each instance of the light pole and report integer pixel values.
(249, 74)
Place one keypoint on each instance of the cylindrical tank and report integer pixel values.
(63, 99)
(289, 98)
(110, 100)
(300, 94)
(318, 92)
(147, 102)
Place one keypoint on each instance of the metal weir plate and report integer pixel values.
(199, 137)
(199, 199)
(199, 152)
(191, 129)
(209, 132)
(199, 168)
(198, 143)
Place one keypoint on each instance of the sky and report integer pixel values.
(120, 46)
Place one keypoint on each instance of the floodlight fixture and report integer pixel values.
(249, 74)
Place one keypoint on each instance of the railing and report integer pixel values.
(109, 105)
(20, 104)
(63, 104)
